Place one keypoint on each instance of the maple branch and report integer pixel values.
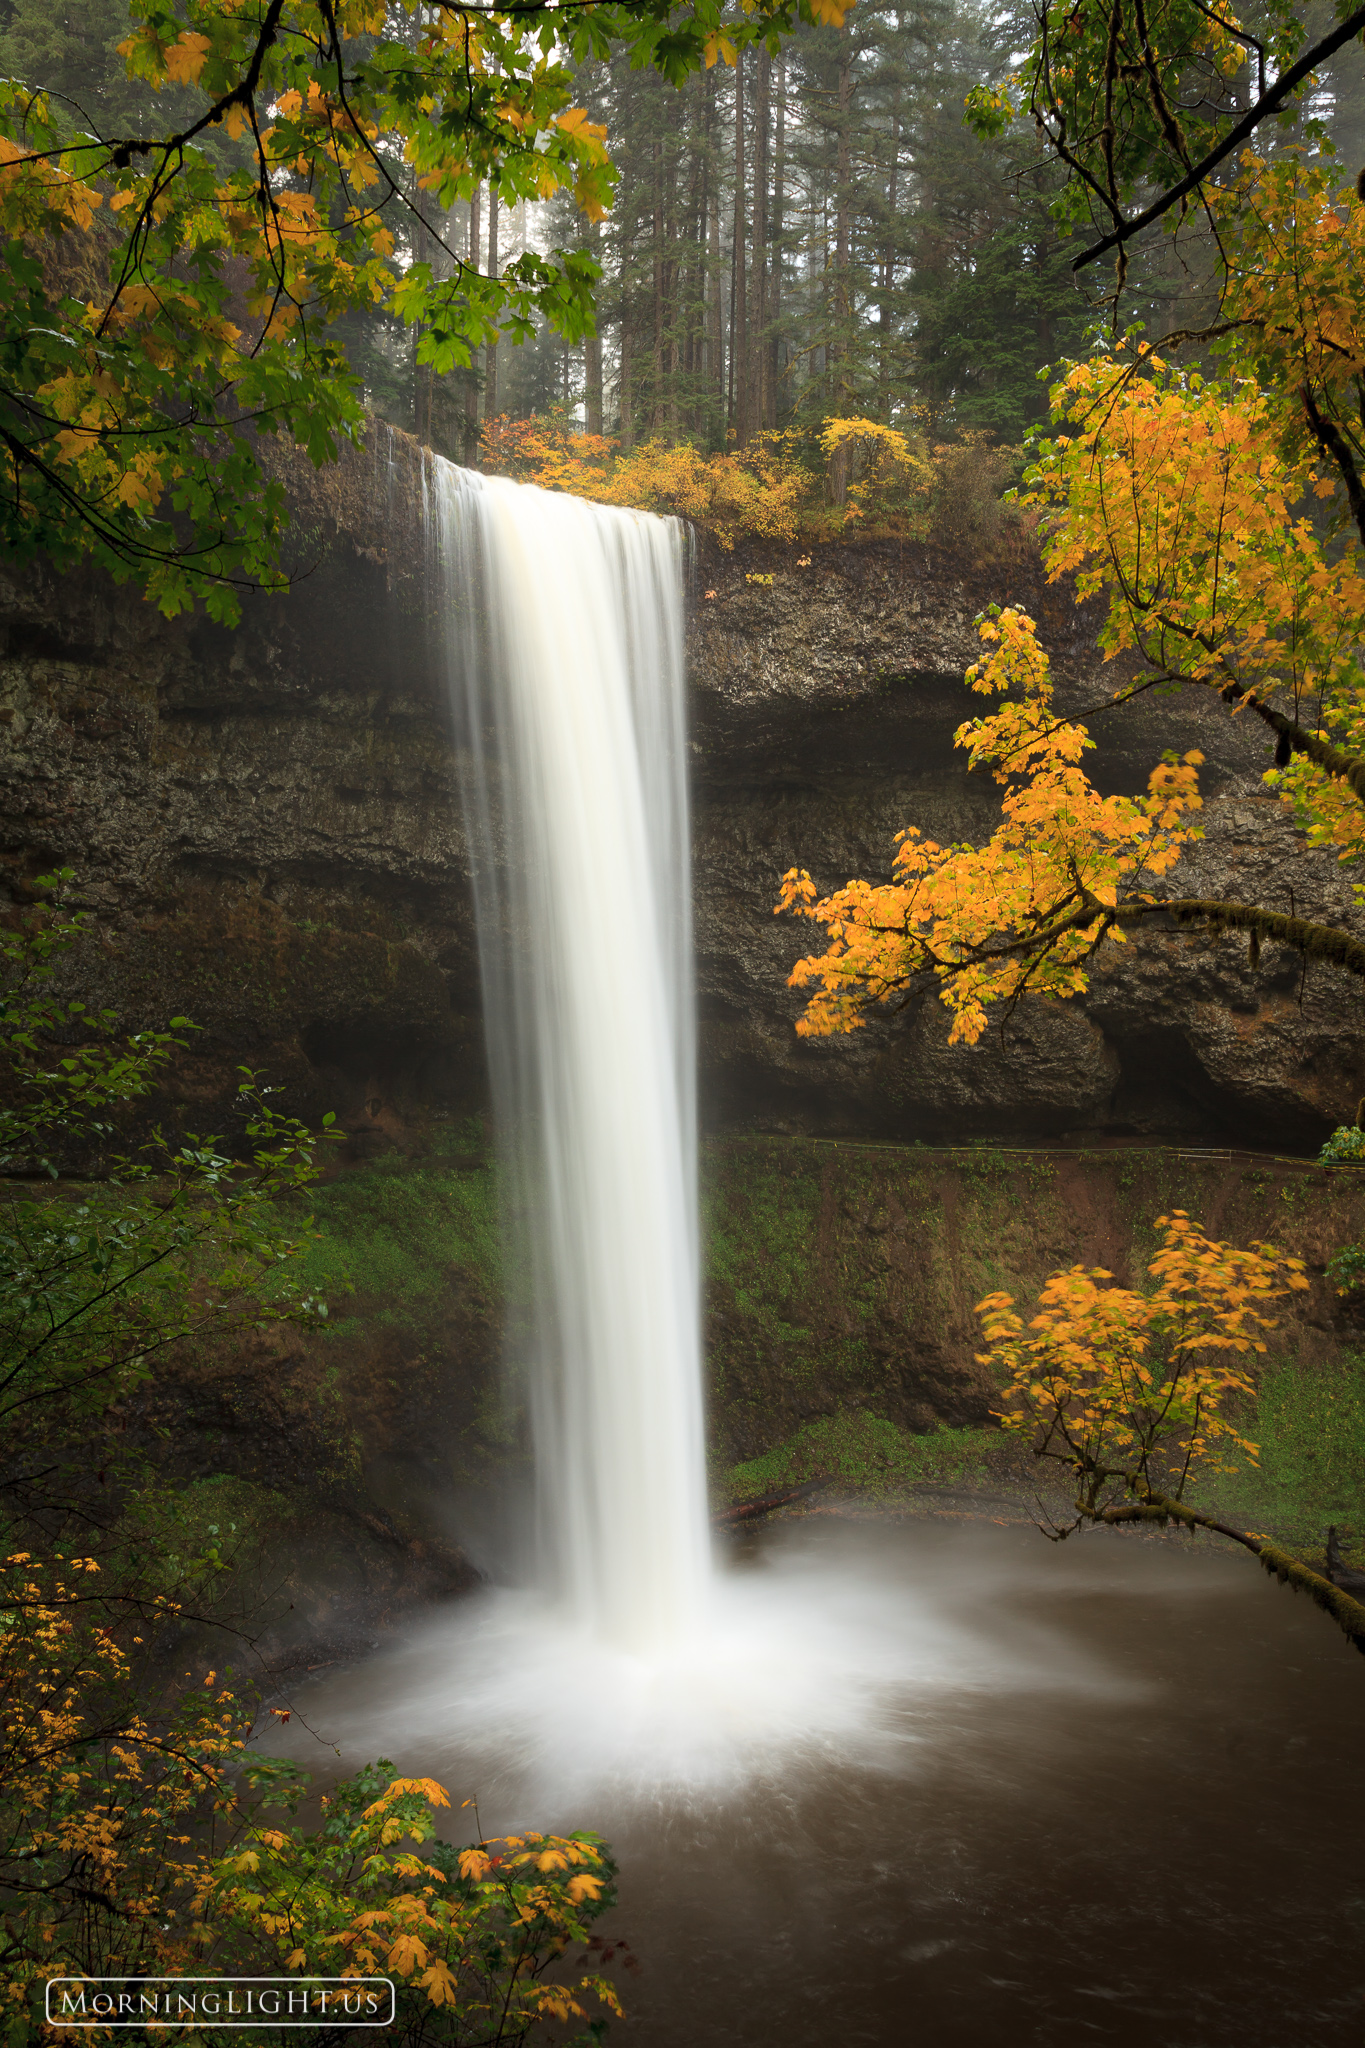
(1268, 103)
(1334, 444)
(1315, 941)
(243, 94)
(1348, 1614)
(1296, 739)
(117, 541)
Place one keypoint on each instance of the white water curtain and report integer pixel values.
(565, 636)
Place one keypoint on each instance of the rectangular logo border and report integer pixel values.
(198, 2020)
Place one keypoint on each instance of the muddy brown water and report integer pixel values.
(1112, 1793)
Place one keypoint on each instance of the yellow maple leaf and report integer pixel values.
(185, 59)
(438, 1983)
(408, 1953)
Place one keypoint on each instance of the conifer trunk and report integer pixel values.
(758, 392)
(471, 391)
(773, 345)
(715, 366)
(739, 295)
(490, 373)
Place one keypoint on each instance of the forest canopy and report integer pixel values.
(174, 271)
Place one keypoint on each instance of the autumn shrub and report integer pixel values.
(754, 492)
(1345, 1146)
(849, 474)
(1132, 1391)
(878, 475)
(474, 1937)
(102, 1793)
(136, 1839)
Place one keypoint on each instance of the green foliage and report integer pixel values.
(166, 301)
(857, 1448)
(122, 1783)
(1346, 1268)
(100, 1275)
(1347, 1142)
(170, 1537)
(1129, 98)
(392, 1231)
(760, 1238)
(1310, 1424)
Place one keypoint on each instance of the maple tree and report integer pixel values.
(168, 298)
(1219, 510)
(1134, 1392)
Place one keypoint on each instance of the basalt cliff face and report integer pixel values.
(268, 823)
(825, 707)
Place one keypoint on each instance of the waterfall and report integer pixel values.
(563, 628)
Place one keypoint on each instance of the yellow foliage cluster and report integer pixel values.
(1117, 1384)
(372, 1894)
(1025, 911)
(95, 1786)
(1210, 511)
(759, 491)
(882, 478)
(878, 470)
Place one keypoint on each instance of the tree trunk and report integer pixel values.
(471, 394)
(625, 394)
(739, 338)
(592, 353)
(888, 262)
(715, 366)
(758, 382)
(775, 364)
(694, 278)
(841, 298)
(670, 296)
(657, 240)
(490, 373)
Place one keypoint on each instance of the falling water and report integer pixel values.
(564, 632)
(626, 1669)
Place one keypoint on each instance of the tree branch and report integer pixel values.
(1315, 941)
(1296, 739)
(1348, 1614)
(1268, 103)
(1334, 444)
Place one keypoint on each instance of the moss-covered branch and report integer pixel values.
(1315, 941)
(1294, 738)
(1348, 1614)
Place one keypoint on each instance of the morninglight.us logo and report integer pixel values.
(220, 2001)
